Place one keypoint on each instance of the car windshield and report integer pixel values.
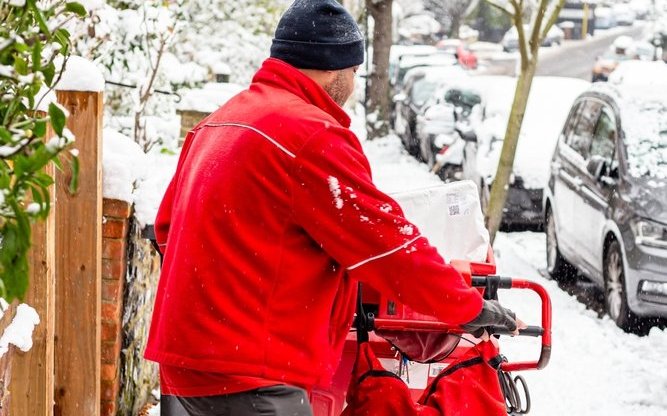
(645, 127)
(423, 89)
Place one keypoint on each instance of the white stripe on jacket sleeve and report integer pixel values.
(388, 253)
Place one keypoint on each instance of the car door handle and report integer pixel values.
(593, 196)
(572, 181)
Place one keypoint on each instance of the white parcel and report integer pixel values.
(450, 217)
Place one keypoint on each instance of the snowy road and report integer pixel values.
(576, 58)
(595, 369)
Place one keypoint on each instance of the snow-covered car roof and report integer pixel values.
(646, 76)
(440, 58)
(399, 50)
(640, 90)
(436, 73)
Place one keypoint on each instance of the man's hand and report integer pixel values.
(493, 314)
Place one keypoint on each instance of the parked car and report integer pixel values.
(605, 205)
(510, 41)
(548, 106)
(419, 85)
(408, 62)
(619, 51)
(455, 105)
(623, 14)
(398, 51)
(466, 57)
(641, 8)
(604, 18)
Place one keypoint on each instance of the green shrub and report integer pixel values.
(33, 46)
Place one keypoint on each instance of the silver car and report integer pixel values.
(605, 205)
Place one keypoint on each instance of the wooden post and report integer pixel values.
(6, 361)
(32, 372)
(79, 263)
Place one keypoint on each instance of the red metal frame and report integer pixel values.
(330, 402)
(431, 326)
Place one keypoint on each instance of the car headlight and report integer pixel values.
(649, 233)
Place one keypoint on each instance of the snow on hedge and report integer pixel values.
(151, 188)
(209, 98)
(123, 164)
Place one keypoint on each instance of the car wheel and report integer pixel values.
(558, 268)
(426, 151)
(615, 294)
(410, 145)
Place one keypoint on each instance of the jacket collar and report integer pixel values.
(282, 75)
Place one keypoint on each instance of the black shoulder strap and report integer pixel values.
(361, 322)
(449, 371)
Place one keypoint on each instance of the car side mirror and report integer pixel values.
(400, 97)
(467, 135)
(597, 166)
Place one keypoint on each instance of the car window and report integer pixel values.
(604, 139)
(572, 120)
(422, 90)
(582, 135)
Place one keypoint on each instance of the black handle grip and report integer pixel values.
(531, 331)
(501, 282)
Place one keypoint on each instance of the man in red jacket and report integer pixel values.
(270, 221)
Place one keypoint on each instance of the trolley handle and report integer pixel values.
(530, 331)
(491, 285)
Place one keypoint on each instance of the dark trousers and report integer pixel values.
(266, 401)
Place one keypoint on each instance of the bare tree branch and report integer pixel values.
(518, 23)
(552, 19)
(146, 92)
(535, 40)
(499, 8)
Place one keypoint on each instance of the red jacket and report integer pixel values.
(268, 223)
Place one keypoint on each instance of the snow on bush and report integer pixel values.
(124, 163)
(151, 188)
(209, 98)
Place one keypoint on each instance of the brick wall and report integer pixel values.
(115, 226)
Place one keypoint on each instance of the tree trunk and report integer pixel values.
(456, 26)
(500, 186)
(377, 82)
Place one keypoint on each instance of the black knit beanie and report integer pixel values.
(318, 34)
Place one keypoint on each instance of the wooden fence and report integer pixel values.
(60, 375)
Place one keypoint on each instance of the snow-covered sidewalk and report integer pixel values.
(595, 368)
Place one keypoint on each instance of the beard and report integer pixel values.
(338, 89)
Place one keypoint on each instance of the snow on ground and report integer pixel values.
(548, 106)
(595, 368)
